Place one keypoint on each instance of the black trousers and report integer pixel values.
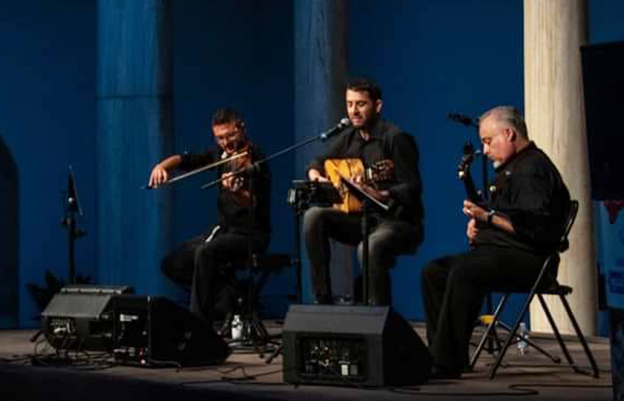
(387, 239)
(206, 269)
(454, 287)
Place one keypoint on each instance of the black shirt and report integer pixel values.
(386, 141)
(232, 216)
(529, 190)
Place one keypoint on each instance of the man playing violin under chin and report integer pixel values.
(197, 262)
(374, 142)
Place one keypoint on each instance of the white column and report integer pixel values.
(554, 30)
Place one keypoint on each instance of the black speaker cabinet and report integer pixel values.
(154, 331)
(370, 346)
(79, 317)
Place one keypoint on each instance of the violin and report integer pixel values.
(235, 167)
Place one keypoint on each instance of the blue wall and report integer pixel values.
(47, 119)
(604, 21)
(430, 57)
(252, 71)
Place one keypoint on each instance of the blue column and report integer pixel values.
(134, 131)
(320, 77)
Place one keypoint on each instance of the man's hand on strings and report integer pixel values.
(229, 181)
(475, 212)
(472, 230)
(382, 196)
(315, 175)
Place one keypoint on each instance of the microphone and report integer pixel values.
(344, 123)
(462, 119)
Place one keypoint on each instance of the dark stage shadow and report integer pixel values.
(9, 238)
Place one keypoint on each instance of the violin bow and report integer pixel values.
(199, 170)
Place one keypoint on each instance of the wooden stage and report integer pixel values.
(246, 376)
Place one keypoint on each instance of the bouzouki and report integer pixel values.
(337, 169)
(463, 173)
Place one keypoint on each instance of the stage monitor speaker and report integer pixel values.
(603, 84)
(154, 331)
(367, 346)
(79, 317)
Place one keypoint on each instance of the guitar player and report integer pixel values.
(370, 140)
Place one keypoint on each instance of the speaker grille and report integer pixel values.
(372, 346)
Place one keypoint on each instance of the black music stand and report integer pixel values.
(300, 198)
(256, 165)
(368, 203)
(254, 332)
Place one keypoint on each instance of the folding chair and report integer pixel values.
(545, 284)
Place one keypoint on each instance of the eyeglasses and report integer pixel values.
(227, 136)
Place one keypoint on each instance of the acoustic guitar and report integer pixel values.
(335, 169)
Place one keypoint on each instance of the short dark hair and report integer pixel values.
(227, 115)
(365, 85)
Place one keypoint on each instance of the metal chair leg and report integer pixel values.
(532, 344)
(564, 348)
(580, 336)
(512, 333)
(491, 328)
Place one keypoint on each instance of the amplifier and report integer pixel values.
(80, 318)
(154, 331)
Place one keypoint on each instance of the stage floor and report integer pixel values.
(246, 376)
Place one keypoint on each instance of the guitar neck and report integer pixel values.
(471, 190)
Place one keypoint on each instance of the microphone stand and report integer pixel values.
(69, 221)
(72, 235)
(469, 122)
(255, 167)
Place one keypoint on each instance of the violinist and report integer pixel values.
(372, 141)
(243, 216)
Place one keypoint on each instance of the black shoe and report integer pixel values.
(347, 301)
(323, 300)
(443, 373)
(225, 329)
